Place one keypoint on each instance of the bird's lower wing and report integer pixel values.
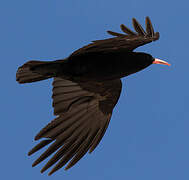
(83, 117)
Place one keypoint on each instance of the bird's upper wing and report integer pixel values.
(122, 42)
(84, 112)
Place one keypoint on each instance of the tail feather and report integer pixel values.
(33, 71)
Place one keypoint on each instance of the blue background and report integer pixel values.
(148, 134)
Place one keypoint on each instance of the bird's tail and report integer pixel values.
(33, 71)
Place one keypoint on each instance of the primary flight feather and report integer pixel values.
(86, 87)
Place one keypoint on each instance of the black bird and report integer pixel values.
(86, 87)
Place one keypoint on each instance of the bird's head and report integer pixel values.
(143, 60)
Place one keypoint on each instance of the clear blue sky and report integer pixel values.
(151, 117)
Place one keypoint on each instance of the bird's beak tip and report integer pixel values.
(159, 61)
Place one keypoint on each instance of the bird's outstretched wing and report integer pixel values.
(84, 112)
(122, 42)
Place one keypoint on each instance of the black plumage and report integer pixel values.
(86, 88)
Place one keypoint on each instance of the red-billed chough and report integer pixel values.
(86, 87)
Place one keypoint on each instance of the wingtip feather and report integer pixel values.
(126, 30)
(139, 28)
